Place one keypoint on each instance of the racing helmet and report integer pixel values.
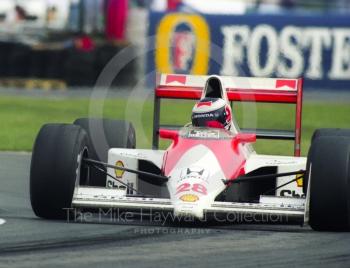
(212, 112)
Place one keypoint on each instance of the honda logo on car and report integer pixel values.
(194, 172)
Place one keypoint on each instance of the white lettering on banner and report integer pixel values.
(316, 39)
(254, 48)
(341, 56)
(290, 40)
(237, 38)
(285, 51)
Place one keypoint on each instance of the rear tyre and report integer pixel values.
(56, 168)
(329, 169)
(105, 134)
(327, 132)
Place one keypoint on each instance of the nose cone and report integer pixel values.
(195, 181)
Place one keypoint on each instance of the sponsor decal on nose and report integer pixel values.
(189, 198)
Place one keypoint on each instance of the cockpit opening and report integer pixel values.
(213, 88)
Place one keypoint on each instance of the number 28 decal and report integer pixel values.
(199, 188)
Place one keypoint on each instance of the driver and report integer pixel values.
(212, 112)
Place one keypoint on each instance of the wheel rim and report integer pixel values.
(82, 169)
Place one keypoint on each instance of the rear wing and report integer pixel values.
(243, 89)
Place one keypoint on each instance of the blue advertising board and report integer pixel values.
(316, 47)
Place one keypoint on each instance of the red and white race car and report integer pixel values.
(207, 172)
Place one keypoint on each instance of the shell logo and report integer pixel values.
(189, 198)
(300, 180)
(119, 173)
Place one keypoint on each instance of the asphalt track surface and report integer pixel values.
(26, 241)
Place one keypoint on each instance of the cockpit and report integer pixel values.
(205, 133)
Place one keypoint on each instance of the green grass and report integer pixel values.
(21, 118)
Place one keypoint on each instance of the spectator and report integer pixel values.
(21, 13)
(117, 15)
(84, 43)
(173, 5)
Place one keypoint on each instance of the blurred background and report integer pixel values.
(53, 51)
(69, 42)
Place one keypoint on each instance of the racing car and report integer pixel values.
(210, 169)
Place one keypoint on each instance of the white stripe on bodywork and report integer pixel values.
(154, 156)
(256, 161)
(284, 164)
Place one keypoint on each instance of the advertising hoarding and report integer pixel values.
(316, 47)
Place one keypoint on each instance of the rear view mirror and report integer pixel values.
(246, 137)
(243, 138)
(168, 134)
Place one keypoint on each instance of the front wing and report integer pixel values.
(104, 198)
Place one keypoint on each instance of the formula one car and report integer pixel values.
(209, 170)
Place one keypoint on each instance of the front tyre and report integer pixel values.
(324, 132)
(329, 171)
(56, 168)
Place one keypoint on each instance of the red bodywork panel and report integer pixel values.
(277, 96)
(227, 151)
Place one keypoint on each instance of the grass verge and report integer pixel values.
(22, 117)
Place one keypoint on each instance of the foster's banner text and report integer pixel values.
(316, 47)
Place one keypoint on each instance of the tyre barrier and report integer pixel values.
(5, 55)
(27, 67)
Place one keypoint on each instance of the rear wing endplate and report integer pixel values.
(243, 89)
